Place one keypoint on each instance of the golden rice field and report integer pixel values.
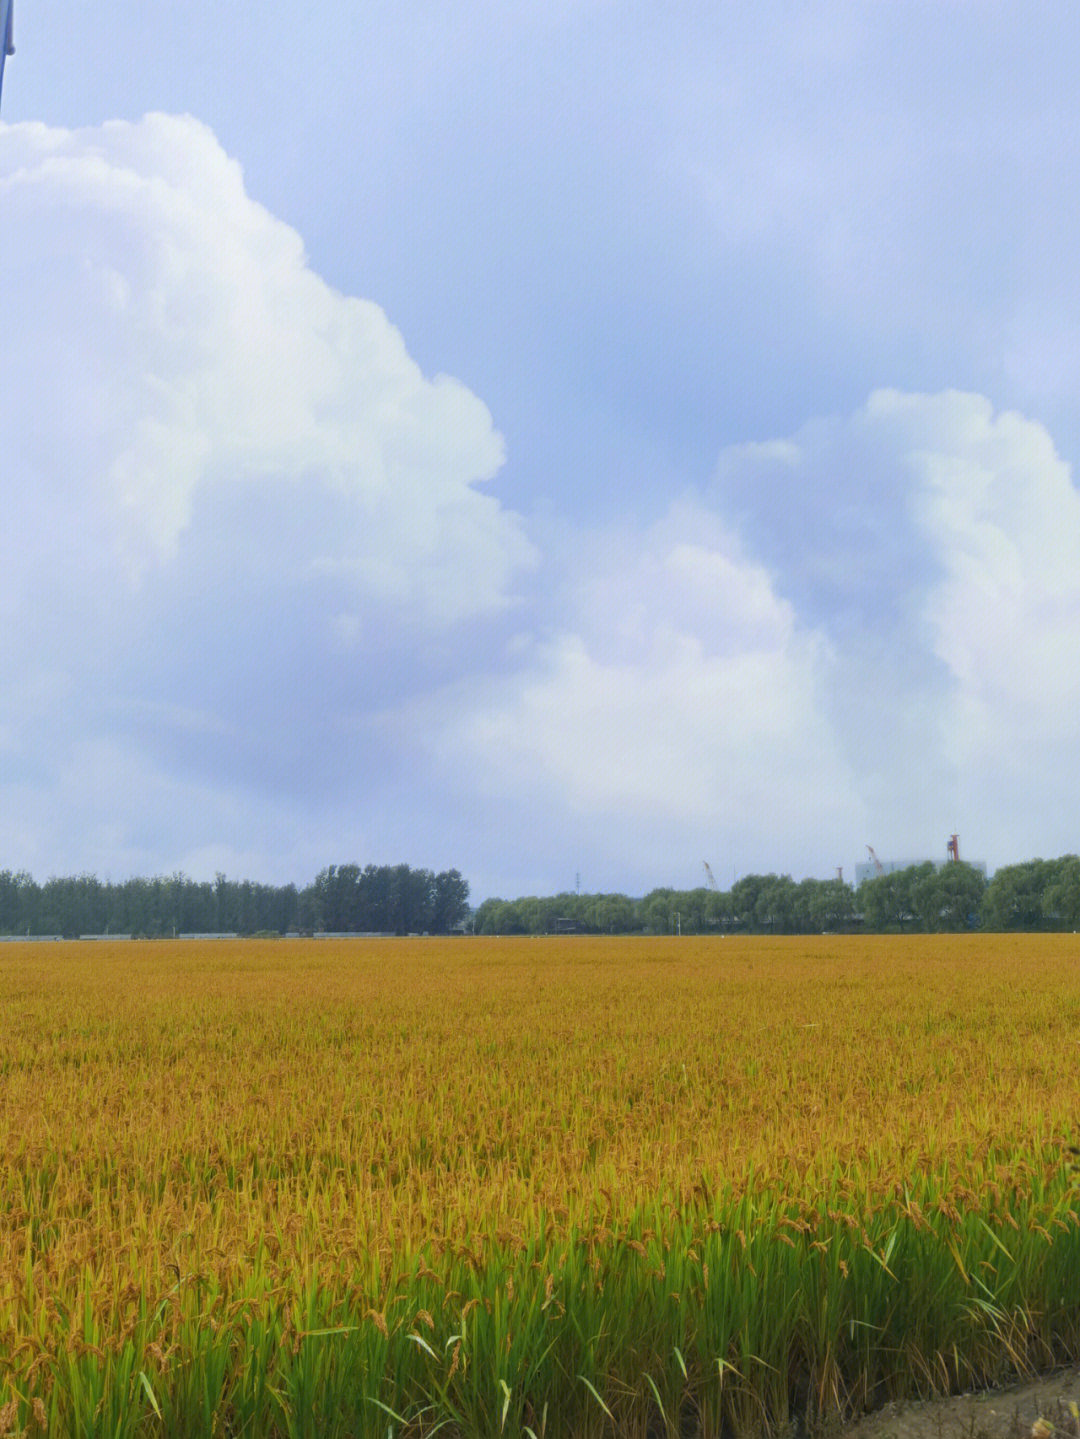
(569, 1187)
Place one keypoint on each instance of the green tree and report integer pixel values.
(949, 897)
(888, 900)
(616, 914)
(774, 908)
(450, 904)
(825, 905)
(745, 893)
(656, 911)
(1061, 897)
(1015, 897)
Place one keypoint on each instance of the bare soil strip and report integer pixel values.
(1011, 1413)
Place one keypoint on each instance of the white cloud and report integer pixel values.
(680, 715)
(164, 336)
(236, 512)
(251, 584)
(998, 508)
(887, 652)
(937, 544)
(997, 513)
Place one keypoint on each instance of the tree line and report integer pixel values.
(1037, 894)
(385, 899)
(757, 903)
(396, 899)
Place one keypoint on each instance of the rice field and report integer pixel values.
(569, 1187)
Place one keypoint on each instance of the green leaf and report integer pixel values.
(659, 1402)
(423, 1344)
(150, 1393)
(386, 1409)
(596, 1396)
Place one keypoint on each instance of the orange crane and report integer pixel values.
(953, 848)
(879, 868)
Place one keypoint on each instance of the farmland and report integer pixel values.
(575, 1187)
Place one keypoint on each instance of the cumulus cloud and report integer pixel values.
(165, 336)
(863, 631)
(680, 714)
(998, 508)
(237, 513)
(937, 545)
(260, 611)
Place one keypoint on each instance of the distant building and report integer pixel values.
(868, 870)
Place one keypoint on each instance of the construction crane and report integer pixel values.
(709, 876)
(953, 848)
(7, 45)
(879, 868)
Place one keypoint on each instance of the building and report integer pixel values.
(868, 870)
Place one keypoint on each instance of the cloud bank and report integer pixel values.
(865, 631)
(264, 610)
(236, 507)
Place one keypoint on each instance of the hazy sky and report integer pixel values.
(540, 438)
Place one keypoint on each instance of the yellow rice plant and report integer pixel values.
(526, 1186)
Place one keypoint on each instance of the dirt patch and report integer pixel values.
(1011, 1413)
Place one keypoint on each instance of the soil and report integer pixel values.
(1012, 1413)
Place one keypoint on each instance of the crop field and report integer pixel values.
(568, 1187)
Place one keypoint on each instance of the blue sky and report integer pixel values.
(542, 439)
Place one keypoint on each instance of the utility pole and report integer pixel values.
(7, 42)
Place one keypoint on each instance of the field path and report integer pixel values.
(1006, 1413)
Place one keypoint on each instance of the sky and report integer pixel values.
(567, 442)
